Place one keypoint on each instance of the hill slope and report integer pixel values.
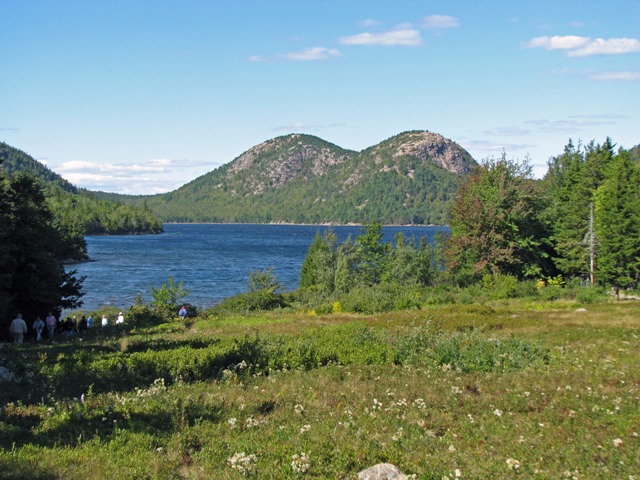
(77, 209)
(409, 178)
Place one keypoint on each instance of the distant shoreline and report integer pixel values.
(330, 224)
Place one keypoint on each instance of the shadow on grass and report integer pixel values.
(81, 425)
(14, 469)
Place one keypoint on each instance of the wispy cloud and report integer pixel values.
(368, 23)
(615, 76)
(301, 127)
(313, 53)
(575, 46)
(507, 132)
(439, 22)
(575, 123)
(494, 146)
(10, 129)
(406, 37)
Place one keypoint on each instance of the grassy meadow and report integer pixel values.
(503, 390)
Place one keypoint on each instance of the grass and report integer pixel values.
(468, 391)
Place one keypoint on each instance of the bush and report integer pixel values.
(368, 300)
(588, 295)
(551, 292)
(248, 302)
(142, 316)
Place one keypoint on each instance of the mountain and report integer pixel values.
(79, 210)
(407, 179)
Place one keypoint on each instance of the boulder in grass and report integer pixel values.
(382, 471)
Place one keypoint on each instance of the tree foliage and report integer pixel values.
(617, 212)
(330, 268)
(595, 175)
(496, 224)
(32, 249)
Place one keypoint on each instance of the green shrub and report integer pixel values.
(467, 351)
(258, 300)
(142, 316)
(551, 292)
(589, 295)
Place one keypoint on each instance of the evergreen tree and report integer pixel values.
(33, 279)
(618, 224)
(372, 254)
(319, 266)
(570, 197)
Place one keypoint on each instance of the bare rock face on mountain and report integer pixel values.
(428, 147)
(275, 162)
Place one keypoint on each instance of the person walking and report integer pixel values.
(38, 326)
(18, 329)
(51, 324)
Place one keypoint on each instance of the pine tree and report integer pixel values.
(618, 224)
(33, 279)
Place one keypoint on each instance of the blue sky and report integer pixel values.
(143, 96)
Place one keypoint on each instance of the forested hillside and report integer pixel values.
(408, 179)
(76, 209)
(634, 153)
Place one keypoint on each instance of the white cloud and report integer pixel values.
(406, 37)
(507, 132)
(440, 21)
(368, 23)
(615, 76)
(153, 176)
(302, 127)
(575, 123)
(313, 53)
(256, 58)
(78, 165)
(567, 42)
(576, 46)
(613, 46)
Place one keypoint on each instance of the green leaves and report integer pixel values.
(496, 223)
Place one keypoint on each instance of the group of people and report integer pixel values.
(68, 327)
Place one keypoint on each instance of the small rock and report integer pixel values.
(581, 310)
(382, 471)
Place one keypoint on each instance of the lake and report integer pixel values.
(212, 260)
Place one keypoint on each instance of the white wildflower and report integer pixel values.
(513, 464)
(300, 463)
(243, 463)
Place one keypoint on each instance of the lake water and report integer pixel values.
(213, 261)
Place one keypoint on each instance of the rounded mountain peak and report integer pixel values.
(428, 146)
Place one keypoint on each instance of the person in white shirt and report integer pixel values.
(18, 329)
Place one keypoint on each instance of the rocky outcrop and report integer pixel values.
(428, 147)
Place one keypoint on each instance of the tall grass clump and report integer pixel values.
(467, 351)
